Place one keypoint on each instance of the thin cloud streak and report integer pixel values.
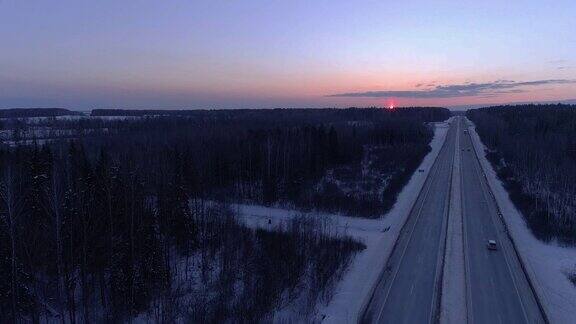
(458, 90)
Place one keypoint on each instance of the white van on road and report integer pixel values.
(491, 245)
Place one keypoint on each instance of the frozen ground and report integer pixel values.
(379, 235)
(546, 264)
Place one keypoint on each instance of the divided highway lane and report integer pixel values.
(408, 290)
(497, 288)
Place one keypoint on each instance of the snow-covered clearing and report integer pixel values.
(379, 235)
(36, 120)
(547, 264)
(83, 115)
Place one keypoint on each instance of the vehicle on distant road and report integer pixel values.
(492, 245)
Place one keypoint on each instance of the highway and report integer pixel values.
(407, 291)
(497, 289)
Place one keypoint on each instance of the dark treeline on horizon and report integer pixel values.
(275, 156)
(235, 112)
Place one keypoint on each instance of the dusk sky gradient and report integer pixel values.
(179, 54)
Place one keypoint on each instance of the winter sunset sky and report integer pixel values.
(83, 54)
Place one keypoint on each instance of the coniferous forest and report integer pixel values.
(129, 215)
(533, 149)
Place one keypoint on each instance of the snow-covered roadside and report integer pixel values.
(546, 264)
(453, 304)
(379, 235)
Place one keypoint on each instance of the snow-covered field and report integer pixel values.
(43, 129)
(46, 119)
(546, 264)
(36, 120)
(379, 235)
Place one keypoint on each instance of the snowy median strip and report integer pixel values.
(453, 302)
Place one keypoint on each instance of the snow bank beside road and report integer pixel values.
(546, 264)
(378, 235)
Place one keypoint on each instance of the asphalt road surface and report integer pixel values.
(497, 290)
(407, 291)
